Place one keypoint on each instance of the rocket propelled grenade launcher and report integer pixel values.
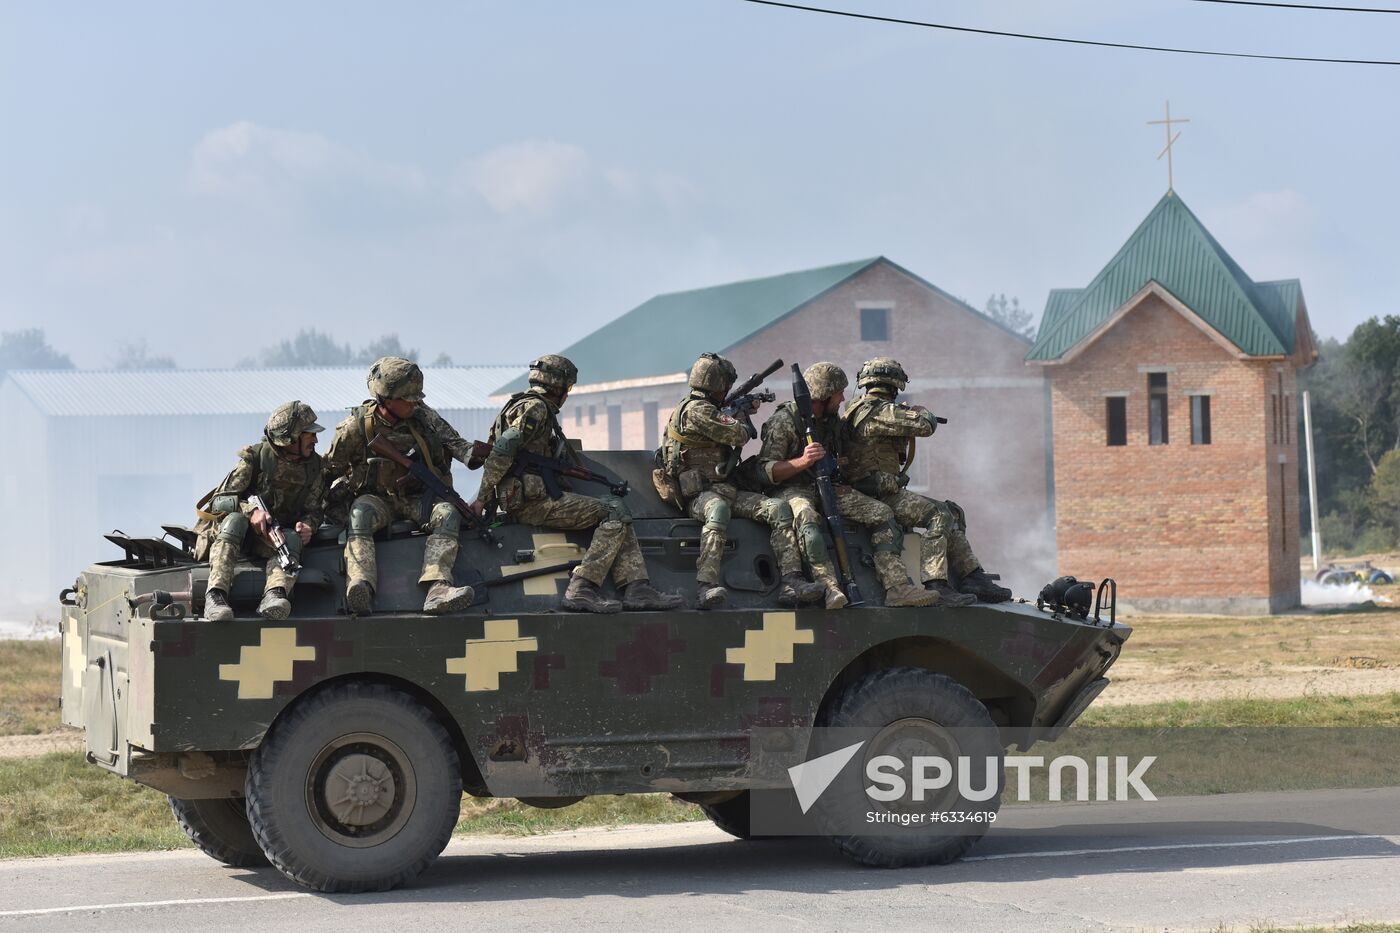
(826, 491)
(277, 536)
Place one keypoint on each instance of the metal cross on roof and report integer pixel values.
(1167, 149)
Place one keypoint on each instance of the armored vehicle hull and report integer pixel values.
(351, 738)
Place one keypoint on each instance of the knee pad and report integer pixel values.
(363, 522)
(617, 509)
(888, 537)
(234, 527)
(446, 520)
(813, 542)
(779, 512)
(717, 514)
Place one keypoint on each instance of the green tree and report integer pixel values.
(28, 349)
(388, 345)
(1385, 490)
(308, 348)
(1010, 315)
(138, 356)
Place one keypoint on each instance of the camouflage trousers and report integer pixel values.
(716, 505)
(614, 546)
(809, 527)
(370, 513)
(235, 538)
(886, 536)
(944, 533)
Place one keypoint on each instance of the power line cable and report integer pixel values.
(1068, 41)
(1304, 6)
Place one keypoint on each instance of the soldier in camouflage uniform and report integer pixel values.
(702, 448)
(285, 470)
(396, 411)
(880, 431)
(529, 421)
(787, 458)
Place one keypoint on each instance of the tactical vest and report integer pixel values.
(283, 483)
(551, 443)
(382, 477)
(688, 453)
(827, 432)
(869, 456)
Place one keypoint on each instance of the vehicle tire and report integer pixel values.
(910, 711)
(220, 829)
(356, 788)
(732, 816)
(1381, 578)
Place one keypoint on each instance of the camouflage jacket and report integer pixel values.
(348, 470)
(700, 439)
(784, 439)
(529, 421)
(878, 434)
(293, 489)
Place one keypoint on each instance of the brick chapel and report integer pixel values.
(1173, 382)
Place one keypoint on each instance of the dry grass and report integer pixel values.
(29, 679)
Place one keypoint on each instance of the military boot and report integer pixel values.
(444, 597)
(640, 595)
(275, 605)
(796, 591)
(981, 585)
(709, 595)
(835, 599)
(948, 597)
(359, 598)
(584, 596)
(907, 594)
(216, 607)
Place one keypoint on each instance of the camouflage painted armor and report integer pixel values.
(879, 433)
(702, 447)
(292, 489)
(374, 496)
(529, 421)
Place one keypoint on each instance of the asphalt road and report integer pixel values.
(1193, 864)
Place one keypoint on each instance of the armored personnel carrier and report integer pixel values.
(337, 747)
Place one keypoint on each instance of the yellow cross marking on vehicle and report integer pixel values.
(495, 653)
(75, 659)
(764, 649)
(262, 665)
(549, 549)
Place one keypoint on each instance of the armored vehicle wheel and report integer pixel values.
(356, 788)
(220, 829)
(731, 815)
(914, 712)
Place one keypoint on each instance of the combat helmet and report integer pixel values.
(289, 422)
(395, 377)
(882, 371)
(712, 373)
(553, 372)
(825, 379)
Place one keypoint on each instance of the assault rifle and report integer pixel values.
(743, 397)
(823, 472)
(433, 488)
(285, 560)
(550, 470)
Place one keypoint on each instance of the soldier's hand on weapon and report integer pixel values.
(812, 454)
(478, 508)
(261, 522)
(305, 531)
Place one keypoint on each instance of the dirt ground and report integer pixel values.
(1324, 653)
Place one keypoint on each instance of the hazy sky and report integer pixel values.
(497, 179)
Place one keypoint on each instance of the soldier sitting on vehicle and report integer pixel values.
(880, 433)
(529, 422)
(395, 411)
(701, 451)
(284, 472)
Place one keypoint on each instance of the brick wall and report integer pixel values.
(1179, 525)
(991, 457)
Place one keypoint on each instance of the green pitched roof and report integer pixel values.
(646, 341)
(1173, 248)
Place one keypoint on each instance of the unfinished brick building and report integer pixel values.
(1173, 386)
(992, 456)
